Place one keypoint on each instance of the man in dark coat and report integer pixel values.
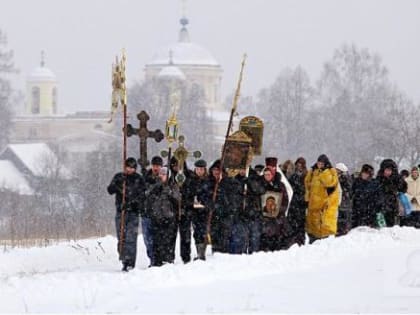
(185, 211)
(224, 208)
(162, 202)
(251, 212)
(200, 207)
(151, 178)
(390, 183)
(364, 198)
(133, 205)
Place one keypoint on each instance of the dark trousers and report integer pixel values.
(254, 235)
(221, 228)
(184, 227)
(390, 218)
(146, 227)
(131, 228)
(344, 222)
(199, 223)
(164, 238)
(238, 237)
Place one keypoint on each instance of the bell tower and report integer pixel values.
(41, 91)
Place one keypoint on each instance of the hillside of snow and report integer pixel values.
(366, 271)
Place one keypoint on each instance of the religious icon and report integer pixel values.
(238, 151)
(254, 128)
(271, 202)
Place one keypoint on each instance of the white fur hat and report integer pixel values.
(342, 167)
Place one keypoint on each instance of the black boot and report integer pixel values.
(125, 267)
(201, 251)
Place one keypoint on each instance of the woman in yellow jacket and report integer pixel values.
(322, 196)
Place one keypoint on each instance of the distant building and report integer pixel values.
(77, 133)
(193, 64)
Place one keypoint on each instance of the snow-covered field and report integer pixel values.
(365, 271)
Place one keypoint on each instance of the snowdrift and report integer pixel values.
(365, 271)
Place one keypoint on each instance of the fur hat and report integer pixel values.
(271, 161)
(342, 167)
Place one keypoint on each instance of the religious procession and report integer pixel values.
(234, 207)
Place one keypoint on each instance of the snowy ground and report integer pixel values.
(365, 271)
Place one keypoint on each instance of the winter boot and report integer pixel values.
(201, 251)
(125, 266)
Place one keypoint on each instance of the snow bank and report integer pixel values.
(355, 273)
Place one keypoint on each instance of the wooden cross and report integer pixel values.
(143, 133)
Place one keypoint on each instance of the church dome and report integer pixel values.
(41, 73)
(184, 52)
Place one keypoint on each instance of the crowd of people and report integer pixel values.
(265, 208)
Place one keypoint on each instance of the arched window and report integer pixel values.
(54, 100)
(36, 100)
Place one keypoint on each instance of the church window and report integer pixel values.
(36, 100)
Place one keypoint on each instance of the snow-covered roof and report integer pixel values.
(184, 53)
(42, 74)
(12, 179)
(171, 72)
(36, 156)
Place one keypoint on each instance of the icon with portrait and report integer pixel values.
(271, 203)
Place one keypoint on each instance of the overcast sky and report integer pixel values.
(82, 37)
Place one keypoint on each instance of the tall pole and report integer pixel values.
(222, 160)
(120, 96)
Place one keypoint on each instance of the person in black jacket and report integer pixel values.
(276, 232)
(390, 183)
(162, 202)
(200, 207)
(186, 207)
(297, 210)
(364, 198)
(224, 209)
(151, 178)
(251, 212)
(134, 203)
